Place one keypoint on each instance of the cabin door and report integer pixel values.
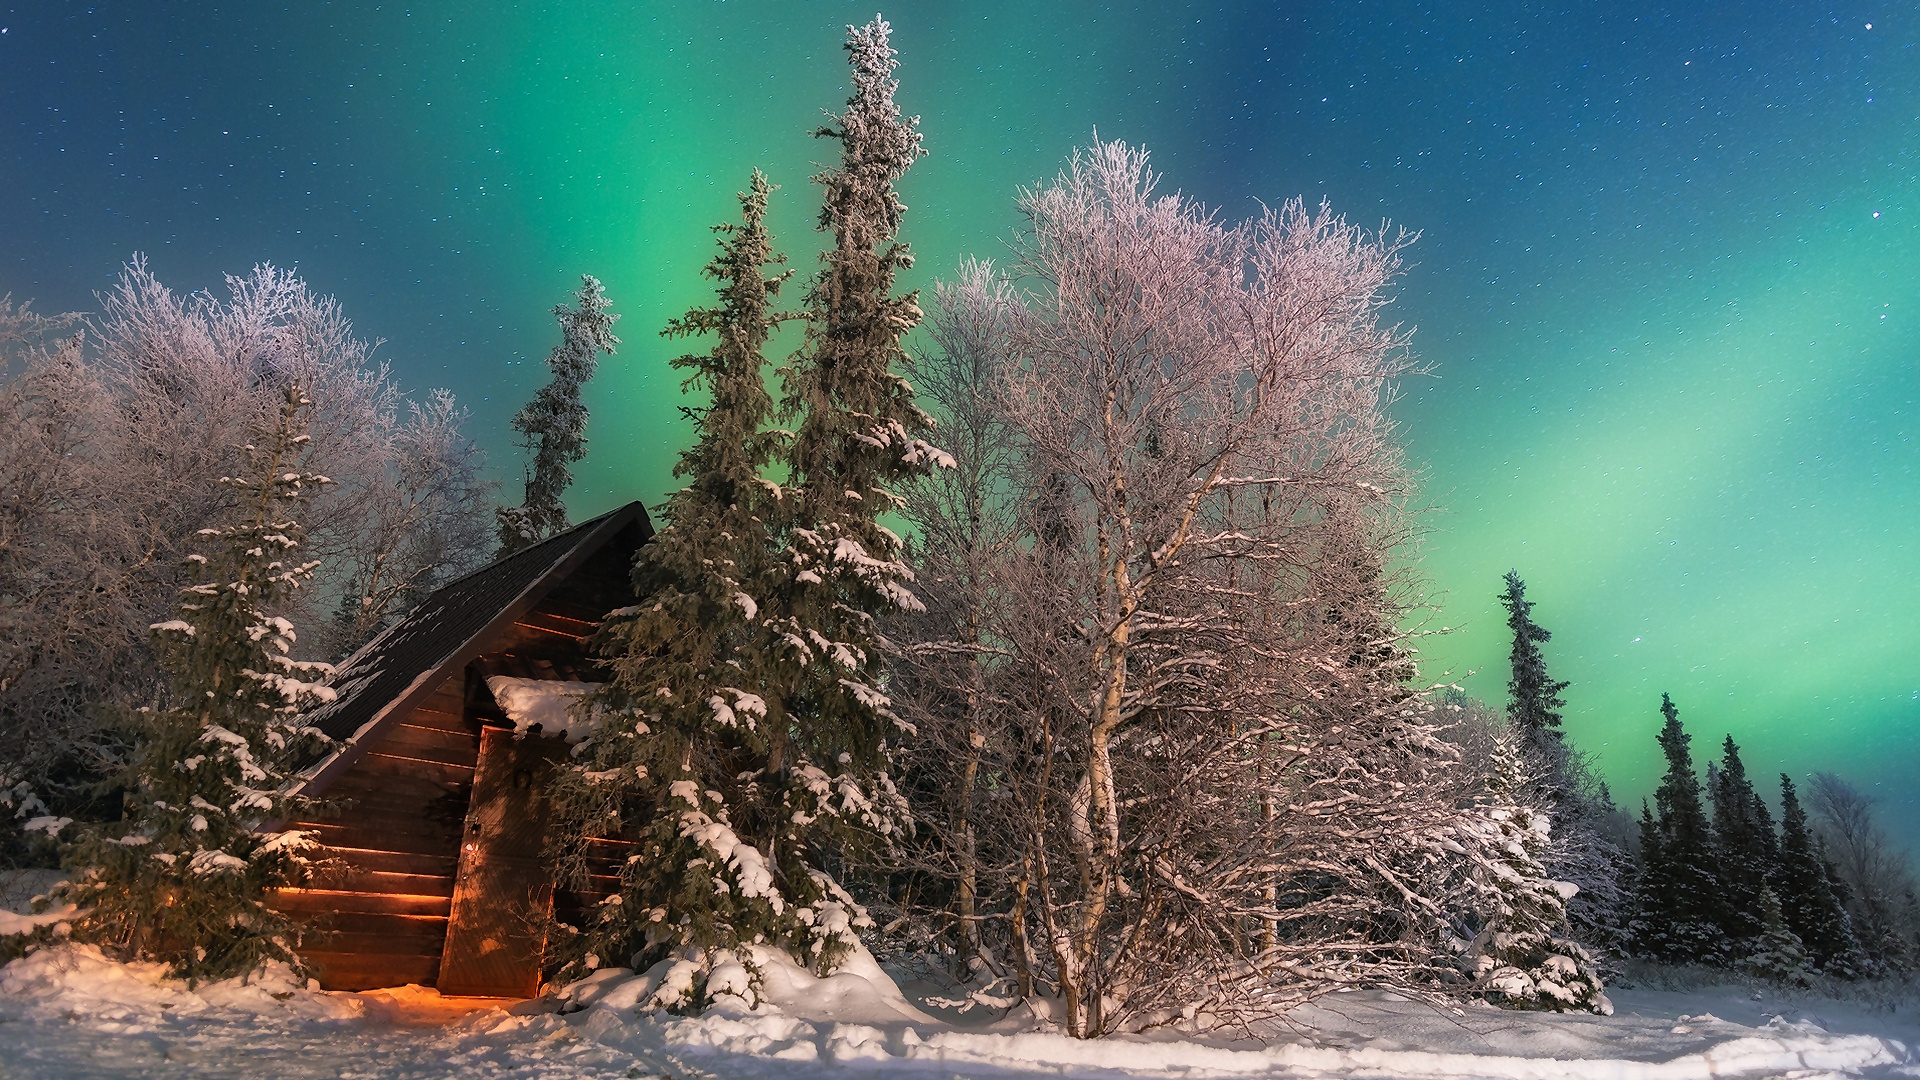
(503, 894)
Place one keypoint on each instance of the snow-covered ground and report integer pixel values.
(67, 1012)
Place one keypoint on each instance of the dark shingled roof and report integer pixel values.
(412, 657)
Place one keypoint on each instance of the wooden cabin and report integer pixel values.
(431, 815)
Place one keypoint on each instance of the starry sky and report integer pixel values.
(1666, 283)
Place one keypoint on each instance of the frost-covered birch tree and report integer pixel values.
(63, 587)
(968, 524)
(421, 520)
(1876, 873)
(1193, 385)
(1179, 743)
(185, 876)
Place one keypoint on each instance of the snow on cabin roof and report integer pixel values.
(409, 659)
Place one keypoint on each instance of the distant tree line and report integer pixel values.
(1827, 893)
(1706, 877)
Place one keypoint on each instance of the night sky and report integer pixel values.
(1666, 283)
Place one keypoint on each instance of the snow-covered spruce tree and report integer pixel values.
(184, 878)
(1744, 848)
(553, 426)
(1519, 954)
(855, 441)
(1686, 909)
(1806, 894)
(687, 755)
(1587, 848)
(1777, 952)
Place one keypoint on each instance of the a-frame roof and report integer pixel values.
(387, 676)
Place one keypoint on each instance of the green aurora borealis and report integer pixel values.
(1666, 283)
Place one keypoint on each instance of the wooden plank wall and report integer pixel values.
(552, 632)
(577, 908)
(392, 827)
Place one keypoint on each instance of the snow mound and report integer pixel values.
(78, 980)
(859, 992)
(544, 703)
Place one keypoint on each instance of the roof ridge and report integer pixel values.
(503, 559)
(486, 568)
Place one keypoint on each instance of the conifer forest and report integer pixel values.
(1071, 621)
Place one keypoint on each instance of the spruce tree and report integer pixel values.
(1692, 879)
(1521, 955)
(1651, 931)
(1777, 953)
(1583, 852)
(553, 425)
(184, 878)
(856, 439)
(1533, 696)
(1806, 894)
(689, 760)
(1744, 847)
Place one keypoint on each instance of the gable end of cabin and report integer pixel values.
(414, 871)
